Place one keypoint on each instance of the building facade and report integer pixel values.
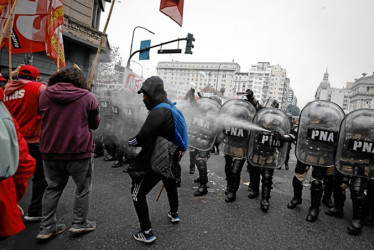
(340, 96)
(81, 39)
(219, 77)
(362, 93)
(266, 81)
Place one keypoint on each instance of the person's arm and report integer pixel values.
(93, 114)
(152, 124)
(26, 165)
(253, 100)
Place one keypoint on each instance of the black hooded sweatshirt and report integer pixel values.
(159, 121)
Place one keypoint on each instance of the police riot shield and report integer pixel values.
(127, 109)
(266, 147)
(104, 99)
(116, 122)
(318, 133)
(201, 123)
(355, 150)
(236, 117)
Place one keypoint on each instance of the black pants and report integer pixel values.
(39, 183)
(139, 191)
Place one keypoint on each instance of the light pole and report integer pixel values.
(218, 76)
(132, 40)
(140, 66)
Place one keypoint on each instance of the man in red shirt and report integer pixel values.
(21, 98)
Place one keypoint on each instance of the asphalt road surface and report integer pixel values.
(207, 222)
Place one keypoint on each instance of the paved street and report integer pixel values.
(206, 222)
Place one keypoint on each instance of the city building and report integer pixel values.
(340, 96)
(81, 40)
(291, 99)
(216, 76)
(362, 93)
(266, 81)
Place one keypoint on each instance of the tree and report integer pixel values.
(106, 72)
(293, 110)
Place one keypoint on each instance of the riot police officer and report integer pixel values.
(316, 144)
(235, 141)
(277, 120)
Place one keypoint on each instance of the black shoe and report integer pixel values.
(109, 158)
(253, 194)
(125, 168)
(312, 214)
(294, 202)
(197, 180)
(230, 197)
(178, 182)
(264, 205)
(96, 155)
(286, 166)
(335, 212)
(327, 201)
(192, 170)
(355, 227)
(118, 164)
(202, 190)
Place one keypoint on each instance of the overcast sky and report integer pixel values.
(303, 36)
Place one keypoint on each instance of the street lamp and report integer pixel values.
(140, 66)
(132, 40)
(218, 75)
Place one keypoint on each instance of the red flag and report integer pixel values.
(54, 46)
(28, 26)
(35, 28)
(173, 9)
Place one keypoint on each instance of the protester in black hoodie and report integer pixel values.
(159, 122)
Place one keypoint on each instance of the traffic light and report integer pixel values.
(189, 44)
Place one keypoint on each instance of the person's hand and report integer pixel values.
(249, 94)
(20, 210)
(16, 71)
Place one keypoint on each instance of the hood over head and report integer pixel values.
(153, 88)
(65, 92)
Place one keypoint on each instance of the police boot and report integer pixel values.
(297, 192)
(266, 188)
(327, 192)
(203, 172)
(369, 218)
(358, 201)
(228, 162)
(356, 224)
(235, 180)
(337, 209)
(254, 181)
(192, 161)
(316, 191)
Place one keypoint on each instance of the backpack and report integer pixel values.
(162, 163)
(180, 135)
(8, 145)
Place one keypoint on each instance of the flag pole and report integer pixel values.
(99, 48)
(10, 43)
(7, 24)
(58, 48)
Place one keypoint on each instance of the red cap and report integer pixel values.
(29, 70)
(2, 78)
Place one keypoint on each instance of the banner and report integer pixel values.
(173, 9)
(54, 46)
(132, 81)
(35, 27)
